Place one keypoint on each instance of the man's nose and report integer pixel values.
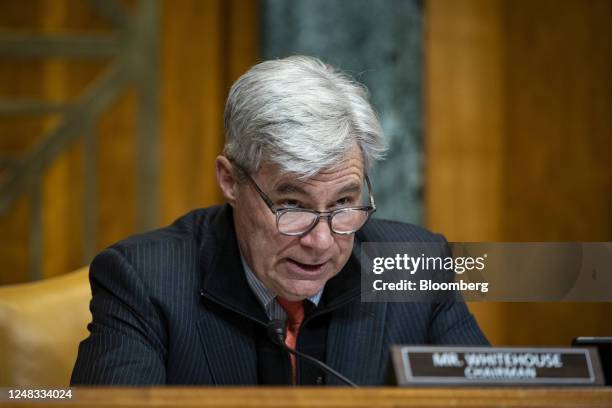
(320, 237)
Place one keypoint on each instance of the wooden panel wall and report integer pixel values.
(203, 44)
(17, 79)
(518, 140)
(206, 46)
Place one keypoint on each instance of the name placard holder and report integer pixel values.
(495, 366)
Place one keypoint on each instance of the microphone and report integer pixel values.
(277, 333)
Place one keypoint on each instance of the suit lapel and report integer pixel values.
(355, 342)
(229, 349)
(230, 308)
(355, 335)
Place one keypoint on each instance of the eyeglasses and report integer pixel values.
(300, 221)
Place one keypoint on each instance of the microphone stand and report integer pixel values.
(276, 333)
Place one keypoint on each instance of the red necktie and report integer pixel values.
(295, 316)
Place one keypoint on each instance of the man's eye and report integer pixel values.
(343, 202)
(289, 204)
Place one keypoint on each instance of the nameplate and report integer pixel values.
(433, 365)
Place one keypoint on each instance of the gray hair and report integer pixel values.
(301, 115)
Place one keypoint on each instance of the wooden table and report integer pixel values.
(326, 397)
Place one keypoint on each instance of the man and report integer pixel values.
(191, 303)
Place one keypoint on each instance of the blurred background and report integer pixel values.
(498, 114)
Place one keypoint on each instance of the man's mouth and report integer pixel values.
(306, 268)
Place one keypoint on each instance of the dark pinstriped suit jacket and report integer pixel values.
(166, 310)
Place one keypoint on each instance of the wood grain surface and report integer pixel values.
(331, 397)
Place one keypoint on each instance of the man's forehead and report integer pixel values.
(349, 165)
(339, 177)
(288, 186)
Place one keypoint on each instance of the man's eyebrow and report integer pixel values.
(289, 188)
(350, 189)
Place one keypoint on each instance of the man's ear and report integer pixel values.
(226, 179)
